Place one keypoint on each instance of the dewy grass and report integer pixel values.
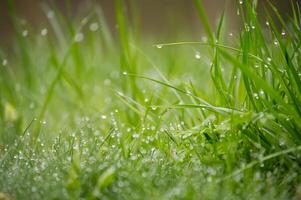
(88, 115)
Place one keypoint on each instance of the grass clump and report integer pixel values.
(87, 116)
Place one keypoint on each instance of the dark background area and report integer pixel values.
(157, 17)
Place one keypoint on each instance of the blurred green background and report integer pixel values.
(161, 18)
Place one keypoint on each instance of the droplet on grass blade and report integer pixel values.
(93, 26)
(124, 73)
(4, 62)
(44, 32)
(25, 33)
(197, 55)
(267, 23)
(79, 37)
(241, 2)
(247, 27)
(154, 107)
(159, 46)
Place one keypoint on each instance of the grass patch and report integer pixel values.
(86, 115)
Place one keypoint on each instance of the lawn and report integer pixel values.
(89, 114)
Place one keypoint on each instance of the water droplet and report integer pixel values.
(79, 37)
(230, 34)
(267, 23)
(159, 46)
(124, 73)
(283, 33)
(103, 117)
(253, 27)
(25, 33)
(269, 59)
(44, 32)
(276, 43)
(241, 2)
(93, 26)
(146, 100)
(256, 96)
(197, 55)
(154, 107)
(247, 27)
(4, 62)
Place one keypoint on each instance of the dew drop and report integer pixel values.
(267, 23)
(230, 34)
(93, 26)
(79, 37)
(4, 62)
(25, 33)
(124, 73)
(159, 46)
(154, 107)
(247, 27)
(44, 32)
(241, 2)
(283, 33)
(197, 55)
(256, 96)
(103, 117)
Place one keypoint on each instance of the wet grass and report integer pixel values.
(85, 115)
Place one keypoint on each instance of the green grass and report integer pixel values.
(89, 115)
